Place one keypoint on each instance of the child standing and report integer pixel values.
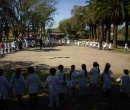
(62, 82)
(52, 83)
(4, 86)
(94, 73)
(107, 75)
(82, 81)
(72, 79)
(33, 82)
(17, 82)
(125, 85)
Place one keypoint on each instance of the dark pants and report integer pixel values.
(33, 99)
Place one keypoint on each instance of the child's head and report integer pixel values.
(84, 66)
(95, 64)
(30, 70)
(72, 67)
(18, 70)
(52, 71)
(61, 67)
(1, 72)
(126, 71)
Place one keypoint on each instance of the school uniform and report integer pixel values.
(82, 82)
(94, 75)
(107, 79)
(33, 82)
(52, 83)
(62, 86)
(4, 86)
(73, 80)
(17, 84)
(125, 83)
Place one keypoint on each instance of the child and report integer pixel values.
(72, 79)
(126, 47)
(4, 86)
(33, 82)
(17, 82)
(94, 72)
(52, 83)
(82, 81)
(62, 82)
(125, 85)
(107, 75)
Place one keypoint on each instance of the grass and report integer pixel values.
(98, 102)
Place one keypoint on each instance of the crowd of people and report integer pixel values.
(57, 83)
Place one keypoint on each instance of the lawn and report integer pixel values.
(98, 102)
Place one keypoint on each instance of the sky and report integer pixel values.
(64, 8)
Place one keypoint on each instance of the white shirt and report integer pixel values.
(33, 82)
(17, 84)
(94, 75)
(52, 83)
(4, 86)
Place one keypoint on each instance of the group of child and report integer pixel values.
(57, 84)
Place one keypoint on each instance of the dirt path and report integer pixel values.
(66, 55)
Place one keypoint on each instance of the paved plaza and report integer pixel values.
(66, 55)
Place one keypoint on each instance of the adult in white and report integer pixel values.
(17, 82)
(4, 86)
(33, 84)
(109, 47)
(126, 47)
(94, 73)
(52, 83)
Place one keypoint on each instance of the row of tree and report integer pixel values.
(25, 16)
(99, 15)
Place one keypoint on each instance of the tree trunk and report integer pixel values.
(108, 32)
(126, 33)
(115, 35)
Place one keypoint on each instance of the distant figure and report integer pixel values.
(40, 43)
(100, 44)
(126, 47)
(125, 85)
(109, 47)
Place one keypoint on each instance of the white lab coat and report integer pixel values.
(94, 75)
(17, 84)
(125, 83)
(107, 79)
(62, 86)
(4, 86)
(33, 83)
(82, 78)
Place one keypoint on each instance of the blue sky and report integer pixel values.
(64, 8)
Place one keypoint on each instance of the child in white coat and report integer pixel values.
(62, 82)
(4, 86)
(33, 84)
(125, 85)
(94, 73)
(72, 79)
(107, 76)
(52, 83)
(17, 82)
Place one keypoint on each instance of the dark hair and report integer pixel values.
(84, 68)
(31, 69)
(1, 71)
(126, 71)
(107, 66)
(52, 71)
(95, 64)
(61, 67)
(73, 66)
